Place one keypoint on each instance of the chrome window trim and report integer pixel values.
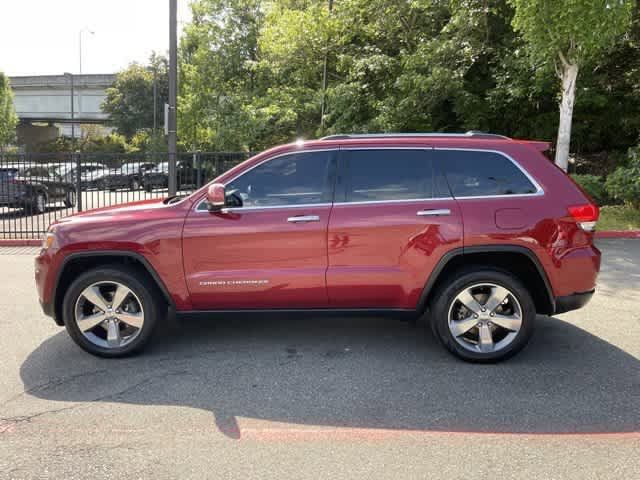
(539, 190)
(403, 200)
(271, 207)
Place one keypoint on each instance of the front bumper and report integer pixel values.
(573, 302)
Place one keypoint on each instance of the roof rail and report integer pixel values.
(470, 133)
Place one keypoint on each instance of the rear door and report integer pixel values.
(271, 252)
(393, 219)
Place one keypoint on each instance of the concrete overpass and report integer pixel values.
(43, 104)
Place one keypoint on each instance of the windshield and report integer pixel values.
(162, 167)
(34, 172)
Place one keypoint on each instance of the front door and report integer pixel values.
(271, 252)
(393, 218)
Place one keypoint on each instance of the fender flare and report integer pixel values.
(461, 251)
(111, 253)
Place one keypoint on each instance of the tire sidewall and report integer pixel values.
(131, 279)
(447, 294)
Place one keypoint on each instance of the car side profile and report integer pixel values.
(34, 187)
(476, 232)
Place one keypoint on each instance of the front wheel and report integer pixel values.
(483, 315)
(111, 311)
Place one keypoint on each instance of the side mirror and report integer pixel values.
(216, 197)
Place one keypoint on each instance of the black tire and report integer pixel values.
(152, 304)
(135, 185)
(70, 199)
(446, 294)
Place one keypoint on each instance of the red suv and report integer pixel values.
(476, 231)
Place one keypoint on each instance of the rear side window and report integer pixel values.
(481, 174)
(387, 174)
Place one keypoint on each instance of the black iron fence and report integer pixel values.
(36, 189)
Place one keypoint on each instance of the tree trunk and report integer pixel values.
(568, 75)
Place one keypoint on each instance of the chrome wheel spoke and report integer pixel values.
(94, 296)
(132, 319)
(492, 325)
(485, 339)
(113, 334)
(119, 296)
(498, 295)
(89, 322)
(114, 307)
(469, 302)
(460, 327)
(510, 322)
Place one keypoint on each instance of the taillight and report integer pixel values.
(585, 215)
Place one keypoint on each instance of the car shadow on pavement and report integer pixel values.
(363, 373)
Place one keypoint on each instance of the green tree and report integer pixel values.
(130, 101)
(569, 34)
(8, 117)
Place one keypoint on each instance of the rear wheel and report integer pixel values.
(483, 315)
(110, 311)
(135, 184)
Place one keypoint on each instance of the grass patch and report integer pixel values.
(619, 217)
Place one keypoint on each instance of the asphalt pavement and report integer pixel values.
(317, 398)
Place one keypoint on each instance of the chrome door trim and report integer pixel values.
(437, 212)
(304, 218)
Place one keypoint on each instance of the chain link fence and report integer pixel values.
(38, 188)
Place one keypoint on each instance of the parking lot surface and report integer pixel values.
(316, 398)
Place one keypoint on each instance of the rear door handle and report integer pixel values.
(303, 218)
(434, 213)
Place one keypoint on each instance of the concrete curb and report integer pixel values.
(26, 242)
(19, 242)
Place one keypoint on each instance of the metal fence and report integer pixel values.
(36, 189)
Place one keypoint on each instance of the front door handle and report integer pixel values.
(434, 213)
(303, 218)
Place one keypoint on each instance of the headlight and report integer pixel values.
(48, 240)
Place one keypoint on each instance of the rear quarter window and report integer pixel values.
(481, 174)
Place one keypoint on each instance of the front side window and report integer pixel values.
(294, 179)
(388, 174)
(480, 174)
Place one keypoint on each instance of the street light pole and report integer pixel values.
(173, 89)
(73, 142)
(80, 44)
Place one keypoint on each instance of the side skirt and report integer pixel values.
(397, 313)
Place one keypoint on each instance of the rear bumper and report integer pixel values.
(573, 302)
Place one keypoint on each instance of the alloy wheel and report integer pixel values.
(109, 314)
(485, 318)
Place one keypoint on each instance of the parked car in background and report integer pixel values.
(92, 175)
(186, 176)
(478, 233)
(33, 188)
(128, 175)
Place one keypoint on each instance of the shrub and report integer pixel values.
(594, 186)
(624, 183)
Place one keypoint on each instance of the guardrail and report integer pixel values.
(37, 188)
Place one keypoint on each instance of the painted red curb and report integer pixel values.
(618, 234)
(19, 242)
